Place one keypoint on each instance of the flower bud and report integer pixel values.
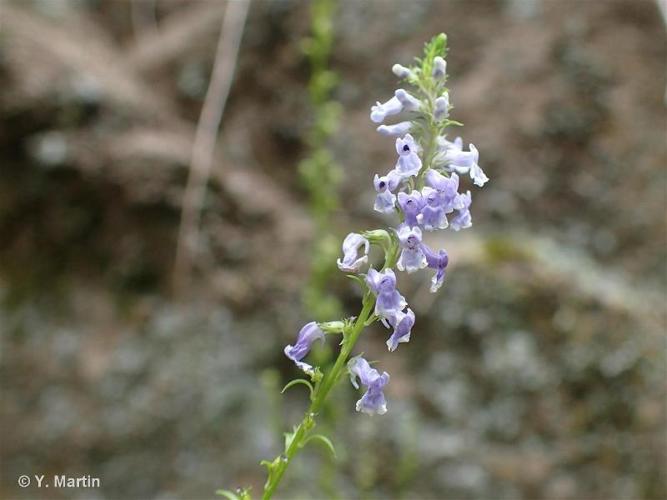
(401, 71)
(441, 108)
(439, 68)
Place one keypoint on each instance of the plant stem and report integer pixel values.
(319, 397)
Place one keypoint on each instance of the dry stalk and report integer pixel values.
(206, 134)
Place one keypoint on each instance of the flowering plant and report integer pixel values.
(423, 191)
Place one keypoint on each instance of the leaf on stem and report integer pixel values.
(357, 278)
(324, 440)
(372, 319)
(289, 437)
(241, 493)
(298, 381)
(227, 494)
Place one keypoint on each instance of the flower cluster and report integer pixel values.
(423, 190)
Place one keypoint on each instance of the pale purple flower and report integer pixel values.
(477, 175)
(446, 187)
(409, 102)
(351, 261)
(444, 144)
(401, 71)
(466, 161)
(432, 215)
(411, 204)
(411, 258)
(388, 300)
(381, 110)
(441, 107)
(373, 401)
(385, 201)
(439, 68)
(409, 162)
(402, 323)
(462, 219)
(437, 261)
(441, 159)
(397, 130)
(307, 335)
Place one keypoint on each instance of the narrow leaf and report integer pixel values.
(356, 278)
(372, 319)
(324, 440)
(227, 494)
(298, 381)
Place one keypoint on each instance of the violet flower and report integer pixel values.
(462, 219)
(307, 335)
(388, 301)
(437, 261)
(373, 401)
(397, 130)
(381, 110)
(466, 161)
(385, 201)
(409, 163)
(409, 102)
(412, 258)
(446, 187)
(432, 215)
(444, 144)
(411, 204)
(351, 261)
(402, 323)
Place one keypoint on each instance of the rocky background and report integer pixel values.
(538, 372)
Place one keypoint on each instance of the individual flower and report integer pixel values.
(466, 161)
(351, 261)
(462, 219)
(411, 258)
(409, 162)
(432, 215)
(373, 401)
(411, 204)
(439, 68)
(388, 301)
(441, 159)
(444, 144)
(441, 107)
(307, 335)
(446, 188)
(409, 102)
(437, 261)
(402, 323)
(381, 110)
(401, 71)
(397, 130)
(385, 201)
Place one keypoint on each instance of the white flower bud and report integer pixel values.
(401, 71)
(439, 67)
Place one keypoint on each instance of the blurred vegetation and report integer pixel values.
(320, 174)
(539, 370)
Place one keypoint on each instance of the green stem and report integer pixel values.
(319, 397)
(429, 151)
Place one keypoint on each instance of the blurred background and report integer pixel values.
(537, 372)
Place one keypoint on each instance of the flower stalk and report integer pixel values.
(423, 190)
(301, 433)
